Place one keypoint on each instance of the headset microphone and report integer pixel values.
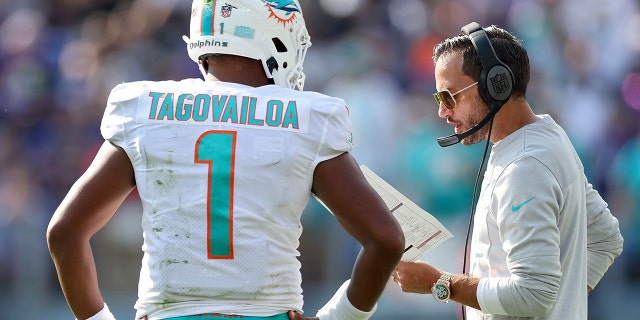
(495, 82)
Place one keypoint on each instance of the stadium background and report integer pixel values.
(60, 58)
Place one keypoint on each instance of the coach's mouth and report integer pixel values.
(456, 125)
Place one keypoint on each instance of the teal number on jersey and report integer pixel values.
(217, 150)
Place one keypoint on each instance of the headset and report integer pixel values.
(495, 82)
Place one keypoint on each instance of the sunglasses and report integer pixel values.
(447, 98)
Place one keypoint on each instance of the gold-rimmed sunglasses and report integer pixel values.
(447, 98)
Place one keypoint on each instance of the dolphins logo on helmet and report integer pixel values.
(289, 7)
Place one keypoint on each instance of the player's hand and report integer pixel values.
(294, 315)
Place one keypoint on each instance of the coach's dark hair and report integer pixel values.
(508, 48)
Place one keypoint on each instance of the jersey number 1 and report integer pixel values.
(217, 150)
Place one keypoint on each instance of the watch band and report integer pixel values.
(446, 276)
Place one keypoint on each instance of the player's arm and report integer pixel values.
(88, 206)
(340, 184)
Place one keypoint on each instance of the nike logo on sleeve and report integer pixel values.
(515, 208)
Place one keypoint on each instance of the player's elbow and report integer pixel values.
(390, 244)
(55, 237)
(60, 237)
(397, 244)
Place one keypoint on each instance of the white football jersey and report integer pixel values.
(224, 172)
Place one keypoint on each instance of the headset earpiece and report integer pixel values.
(496, 79)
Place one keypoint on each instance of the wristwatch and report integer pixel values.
(441, 290)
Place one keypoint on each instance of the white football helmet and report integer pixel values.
(272, 31)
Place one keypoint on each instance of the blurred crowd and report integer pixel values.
(59, 59)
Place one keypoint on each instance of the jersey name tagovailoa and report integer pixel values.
(231, 109)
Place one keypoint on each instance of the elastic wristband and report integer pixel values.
(103, 314)
(340, 308)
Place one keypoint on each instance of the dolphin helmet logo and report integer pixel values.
(284, 11)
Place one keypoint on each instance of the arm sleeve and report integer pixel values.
(335, 132)
(119, 118)
(604, 240)
(525, 203)
(114, 118)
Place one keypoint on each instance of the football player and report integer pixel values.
(224, 168)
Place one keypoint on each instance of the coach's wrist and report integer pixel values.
(103, 314)
(340, 308)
